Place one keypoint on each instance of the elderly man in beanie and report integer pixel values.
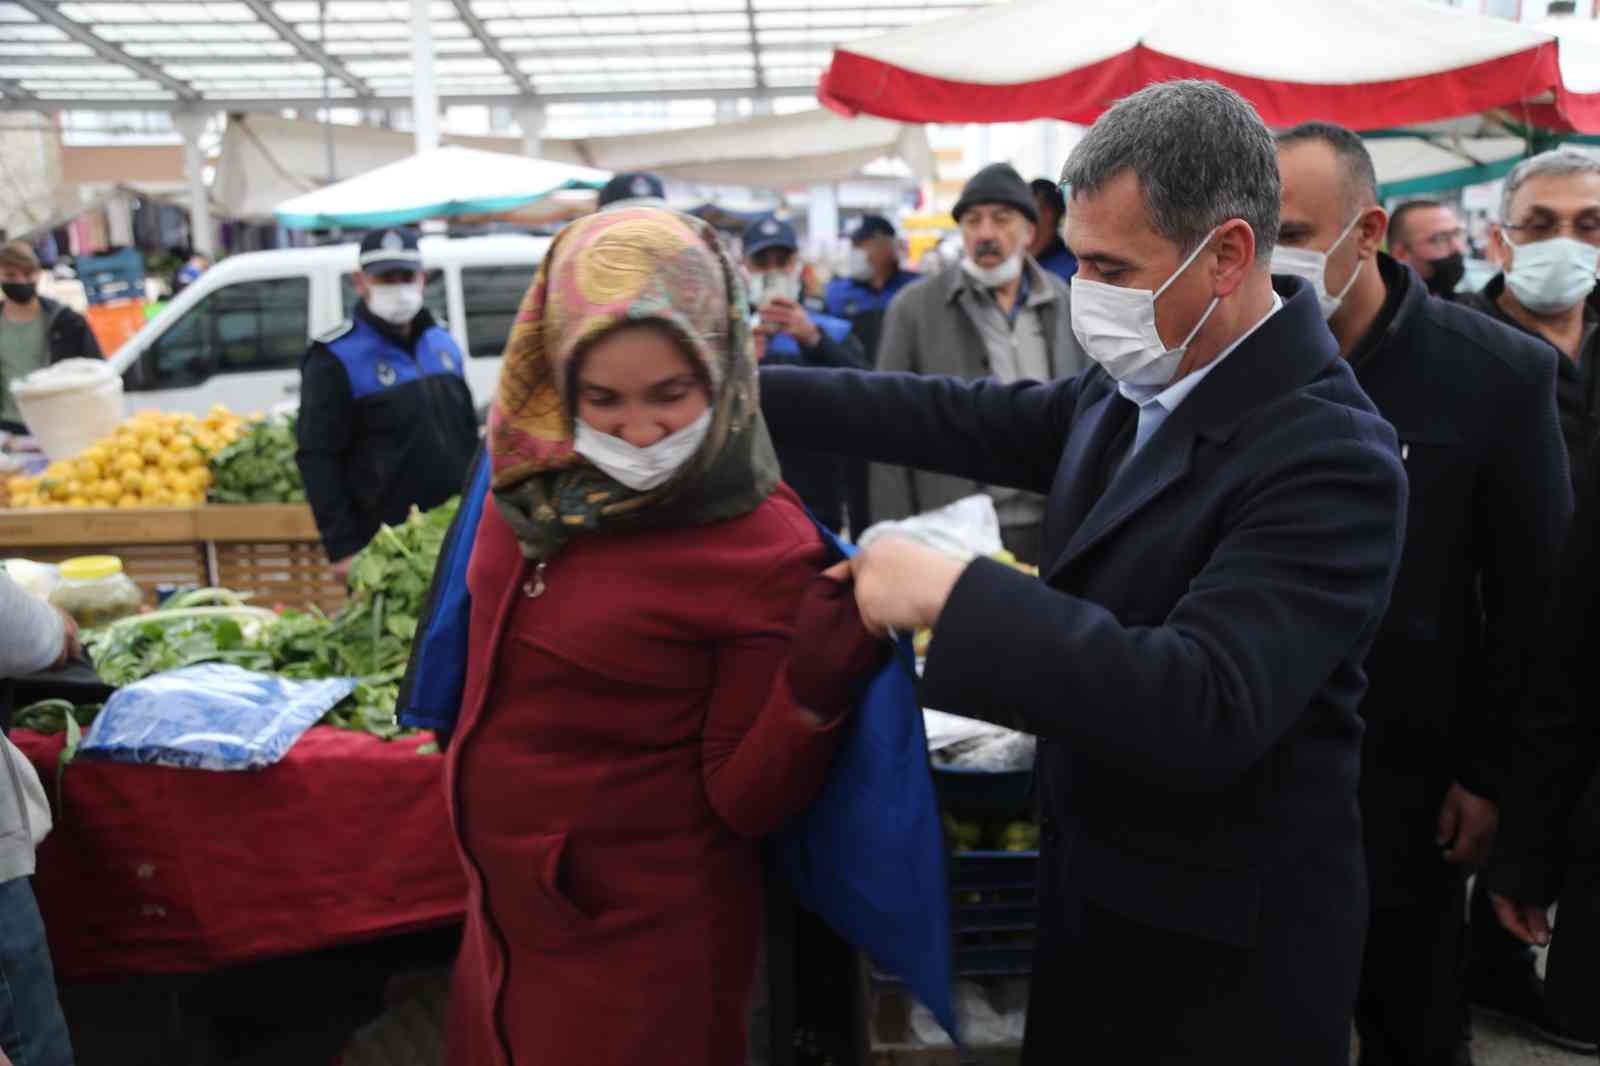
(998, 315)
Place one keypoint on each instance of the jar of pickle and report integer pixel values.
(94, 591)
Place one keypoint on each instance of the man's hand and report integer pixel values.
(786, 316)
(1467, 824)
(900, 584)
(71, 645)
(341, 569)
(1528, 922)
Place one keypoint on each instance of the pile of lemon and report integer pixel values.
(155, 459)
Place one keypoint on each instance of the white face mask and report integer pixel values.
(860, 268)
(1313, 266)
(395, 304)
(641, 469)
(994, 277)
(1553, 275)
(1117, 327)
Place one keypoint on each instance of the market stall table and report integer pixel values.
(151, 870)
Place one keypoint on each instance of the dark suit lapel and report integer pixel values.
(1078, 475)
(1162, 463)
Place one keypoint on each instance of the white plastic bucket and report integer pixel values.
(70, 405)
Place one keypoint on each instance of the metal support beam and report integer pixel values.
(492, 47)
(263, 11)
(755, 43)
(424, 90)
(46, 12)
(400, 102)
(202, 235)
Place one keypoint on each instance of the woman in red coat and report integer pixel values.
(634, 719)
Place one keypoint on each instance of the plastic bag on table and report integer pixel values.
(963, 530)
(210, 717)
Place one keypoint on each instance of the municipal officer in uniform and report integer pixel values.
(788, 333)
(862, 298)
(386, 418)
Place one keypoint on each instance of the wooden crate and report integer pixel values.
(149, 565)
(271, 551)
(295, 574)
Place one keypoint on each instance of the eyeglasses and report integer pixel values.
(1585, 228)
(1445, 239)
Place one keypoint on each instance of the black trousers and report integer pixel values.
(1409, 1009)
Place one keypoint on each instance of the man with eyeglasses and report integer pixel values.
(1548, 247)
(1427, 236)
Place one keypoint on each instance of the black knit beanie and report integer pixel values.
(998, 183)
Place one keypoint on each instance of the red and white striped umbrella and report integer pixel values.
(1366, 64)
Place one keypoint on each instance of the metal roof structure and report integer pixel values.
(242, 55)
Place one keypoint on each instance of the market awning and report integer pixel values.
(771, 151)
(1366, 64)
(434, 184)
(1422, 161)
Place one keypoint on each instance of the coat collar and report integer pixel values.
(1288, 350)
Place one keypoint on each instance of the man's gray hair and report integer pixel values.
(1556, 163)
(1201, 154)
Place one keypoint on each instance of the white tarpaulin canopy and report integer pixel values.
(436, 183)
(771, 151)
(1419, 162)
(266, 160)
(1366, 64)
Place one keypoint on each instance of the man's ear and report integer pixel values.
(1371, 229)
(1234, 245)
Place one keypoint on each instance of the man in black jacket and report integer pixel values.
(1473, 404)
(34, 332)
(1548, 242)
(1549, 848)
(1221, 532)
(386, 418)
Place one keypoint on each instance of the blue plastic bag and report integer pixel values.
(209, 717)
(868, 855)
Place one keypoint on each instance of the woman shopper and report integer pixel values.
(634, 720)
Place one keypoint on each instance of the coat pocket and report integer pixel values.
(1220, 904)
(527, 892)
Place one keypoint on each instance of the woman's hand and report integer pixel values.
(831, 648)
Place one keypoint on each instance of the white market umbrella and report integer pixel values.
(436, 183)
(1423, 161)
(1365, 64)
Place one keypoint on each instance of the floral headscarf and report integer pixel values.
(616, 268)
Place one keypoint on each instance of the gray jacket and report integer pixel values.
(928, 330)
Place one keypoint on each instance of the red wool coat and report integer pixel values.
(626, 739)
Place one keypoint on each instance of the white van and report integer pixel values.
(236, 335)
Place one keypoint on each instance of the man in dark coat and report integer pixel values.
(1225, 516)
(1473, 403)
(1549, 848)
(386, 417)
(1551, 202)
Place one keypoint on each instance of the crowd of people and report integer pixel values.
(1318, 539)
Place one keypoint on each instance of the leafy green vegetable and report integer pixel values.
(369, 639)
(259, 467)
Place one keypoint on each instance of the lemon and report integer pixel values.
(78, 501)
(128, 499)
(132, 481)
(74, 488)
(130, 460)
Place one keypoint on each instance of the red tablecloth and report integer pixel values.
(155, 870)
